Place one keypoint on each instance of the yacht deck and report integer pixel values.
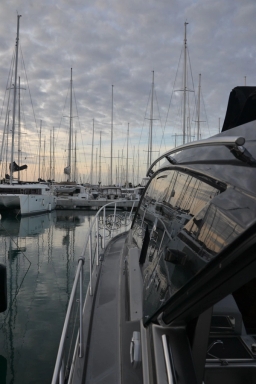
(105, 350)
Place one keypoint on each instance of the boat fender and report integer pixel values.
(135, 350)
(3, 288)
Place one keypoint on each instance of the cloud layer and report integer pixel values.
(120, 43)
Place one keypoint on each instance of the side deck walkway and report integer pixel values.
(103, 365)
(100, 363)
(110, 318)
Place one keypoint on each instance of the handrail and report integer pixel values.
(232, 141)
(93, 222)
(167, 360)
(59, 360)
(59, 371)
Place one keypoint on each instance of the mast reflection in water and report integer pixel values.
(41, 254)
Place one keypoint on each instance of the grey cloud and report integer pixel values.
(121, 42)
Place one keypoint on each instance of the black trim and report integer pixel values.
(144, 249)
(225, 273)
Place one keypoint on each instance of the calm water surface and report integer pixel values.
(41, 254)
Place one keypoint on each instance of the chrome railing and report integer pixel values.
(109, 225)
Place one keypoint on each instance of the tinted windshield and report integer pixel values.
(189, 220)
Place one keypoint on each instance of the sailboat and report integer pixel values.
(27, 198)
(70, 190)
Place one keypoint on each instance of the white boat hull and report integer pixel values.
(30, 204)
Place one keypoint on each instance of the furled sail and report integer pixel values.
(16, 167)
(67, 170)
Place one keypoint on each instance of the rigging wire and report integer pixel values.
(193, 86)
(29, 91)
(175, 79)
(9, 81)
(60, 124)
(144, 119)
(79, 124)
(207, 122)
(8, 78)
(163, 128)
(143, 125)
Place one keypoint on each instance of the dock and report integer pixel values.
(74, 203)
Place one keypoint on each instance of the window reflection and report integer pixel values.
(190, 219)
(171, 202)
(210, 231)
(179, 191)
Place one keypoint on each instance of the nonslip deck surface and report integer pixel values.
(103, 365)
(108, 330)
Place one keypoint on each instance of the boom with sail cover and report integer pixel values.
(67, 170)
(15, 167)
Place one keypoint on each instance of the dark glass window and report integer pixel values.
(172, 200)
(210, 232)
(20, 191)
(190, 220)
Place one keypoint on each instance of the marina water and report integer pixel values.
(41, 254)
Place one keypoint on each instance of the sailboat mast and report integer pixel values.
(53, 155)
(188, 131)
(50, 155)
(138, 168)
(127, 184)
(122, 169)
(40, 139)
(75, 167)
(14, 96)
(185, 84)
(19, 133)
(43, 171)
(7, 142)
(111, 145)
(118, 169)
(133, 166)
(198, 109)
(96, 173)
(5, 126)
(92, 151)
(70, 130)
(100, 161)
(151, 124)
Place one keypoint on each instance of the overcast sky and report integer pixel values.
(120, 43)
